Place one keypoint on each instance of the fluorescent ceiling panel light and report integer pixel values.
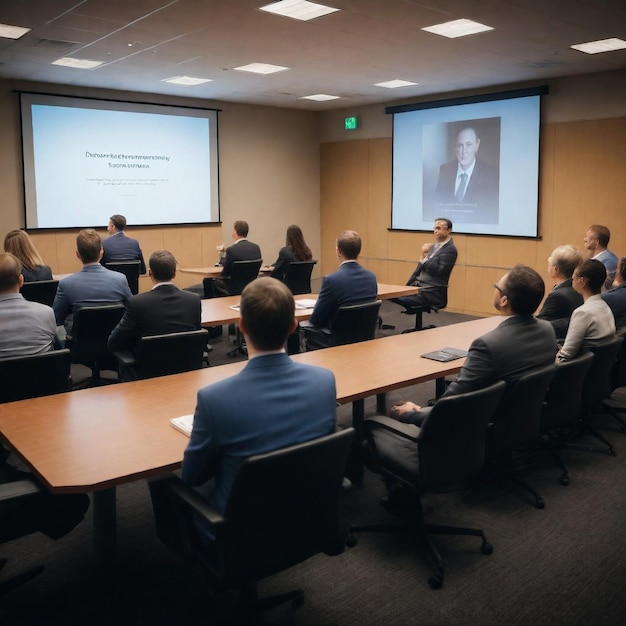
(603, 45)
(12, 32)
(457, 28)
(81, 64)
(394, 84)
(261, 68)
(320, 97)
(298, 9)
(186, 80)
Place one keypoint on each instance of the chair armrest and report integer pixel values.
(126, 358)
(194, 500)
(407, 431)
(307, 327)
(18, 489)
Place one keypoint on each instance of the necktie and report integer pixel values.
(460, 192)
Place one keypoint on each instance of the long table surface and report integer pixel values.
(97, 438)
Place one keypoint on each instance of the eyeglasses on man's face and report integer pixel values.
(502, 292)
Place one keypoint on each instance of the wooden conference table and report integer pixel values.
(95, 439)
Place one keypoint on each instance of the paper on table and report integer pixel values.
(306, 303)
(234, 307)
(184, 424)
(445, 354)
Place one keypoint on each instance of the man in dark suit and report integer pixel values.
(119, 247)
(563, 299)
(466, 186)
(616, 297)
(164, 309)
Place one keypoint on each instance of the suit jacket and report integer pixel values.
(559, 305)
(242, 250)
(285, 403)
(93, 284)
(43, 272)
(616, 299)
(350, 284)
(286, 257)
(164, 309)
(119, 247)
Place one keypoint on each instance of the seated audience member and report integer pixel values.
(164, 309)
(616, 297)
(120, 247)
(27, 327)
(94, 284)
(350, 284)
(294, 250)
(285, 402)
(20, 245)
(563, 299)
(433, 270)
(596, 242)
(593, 321)
(521, 343)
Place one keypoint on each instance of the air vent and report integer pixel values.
(55, 44)
(544, 64)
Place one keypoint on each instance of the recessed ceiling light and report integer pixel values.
(186, 80)
(298, 9)
(394, 84)
(12, 32)
(320, 97)
(603, 45)
(261, 68)
(81, 64)
(457, 28)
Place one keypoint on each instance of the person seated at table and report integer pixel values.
(20, 245)
(118, 246)
(285, 402)
(616, 297)
(294, 250)
(519, 344)
(592, 322)
(163, 309)
(563, 299)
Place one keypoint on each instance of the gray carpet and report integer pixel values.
(565, 564)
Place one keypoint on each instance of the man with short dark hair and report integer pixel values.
(272, 403)
(596, 242)
(164, 309)
(120, 247)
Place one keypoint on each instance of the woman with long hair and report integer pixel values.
(294, 250)
(19, 244)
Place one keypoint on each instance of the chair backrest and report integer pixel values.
(130, 269)
(172, 353)
(451, 442)
(243, 272)
(34, 375)
(517, 420)
(284, 508)
(563, 400)
(40, 291)
(298, 277)
(354, 323)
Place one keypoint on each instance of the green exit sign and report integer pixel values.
(351, 123)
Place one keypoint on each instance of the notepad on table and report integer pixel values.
(445, 354)
(184, 424)
(234, 307)
(306, 303)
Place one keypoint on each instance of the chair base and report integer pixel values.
(503, 472)
(18, 579)
(252, 605)
(419, 312)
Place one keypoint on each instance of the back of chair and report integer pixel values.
(517, 420)
(298, 277)
(354, 323)
(284, 508)
(243, 272)
(597, 385)
(34, 375)
(451, 442)
(40, 291)
(131, 269)
(563, 400)
(160, 355)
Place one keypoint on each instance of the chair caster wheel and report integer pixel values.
(486, 548)
(564, 480)
(539, 503)
(435, 581)
(350, 540)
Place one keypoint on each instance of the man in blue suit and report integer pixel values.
(272, 403)
(93, 284)
(120, 247)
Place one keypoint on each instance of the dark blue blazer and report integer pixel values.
(559, 305)
(119, 247)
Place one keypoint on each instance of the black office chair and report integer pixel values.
(283, 508)
(298, 277)
(160, 355)
(613, 405)
(40, 291)
(440, 301)
(516, 424)
(34, 375)
(130, 269)
(91, 328)
(450, 452)
(350, 324)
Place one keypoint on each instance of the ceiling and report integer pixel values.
(144, 41)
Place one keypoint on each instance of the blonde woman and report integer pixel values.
(19, 244)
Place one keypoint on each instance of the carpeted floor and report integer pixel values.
(565, 564)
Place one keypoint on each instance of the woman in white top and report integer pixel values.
(593, 321)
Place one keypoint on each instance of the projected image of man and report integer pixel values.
(468, 187)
